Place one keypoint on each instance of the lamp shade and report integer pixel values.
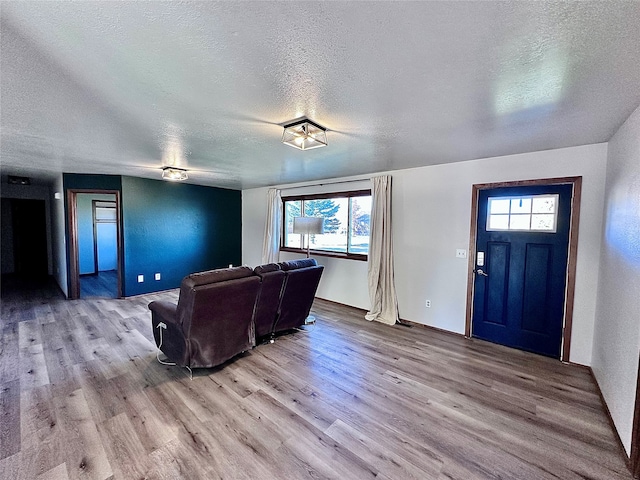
(308, 225)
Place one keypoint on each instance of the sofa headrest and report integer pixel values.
(219, 275)
(295, 264)
(269, 267)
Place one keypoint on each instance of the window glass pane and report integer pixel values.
(291, 209)
(335, 212)
(543, 221)
(105, 213)
(521, 205)
(360, 220)
(497, 205)
(544, 204)
(498, 222)
(518, 216)
(520, 222)
(346, 223)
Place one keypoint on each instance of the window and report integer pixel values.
(346, 223)
(537, 213)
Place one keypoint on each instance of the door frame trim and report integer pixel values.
(634, 458)
(576, 182)
(74, 272)
(95, 237)
(94, 206)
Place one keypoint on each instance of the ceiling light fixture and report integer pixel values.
(15, 180)
(174, 174)
(304, 134)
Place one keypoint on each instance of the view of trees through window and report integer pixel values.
(346, 222)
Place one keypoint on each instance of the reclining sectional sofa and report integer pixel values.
(221, 313)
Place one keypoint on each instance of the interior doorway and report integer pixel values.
(97, 245)
(522, 264)
(24, 239)
(95, 256)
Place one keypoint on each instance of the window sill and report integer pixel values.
(325, 253)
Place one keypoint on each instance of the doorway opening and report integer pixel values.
(95, 255)
(24, 240)
(522, 262)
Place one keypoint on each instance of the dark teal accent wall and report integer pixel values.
(171, 228)
(79, 181)
(175, 229)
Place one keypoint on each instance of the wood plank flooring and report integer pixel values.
(82, 396)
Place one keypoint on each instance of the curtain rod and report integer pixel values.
(326, 183)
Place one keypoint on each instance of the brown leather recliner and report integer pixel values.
(213, 320)
(298, 293)
(267, 307)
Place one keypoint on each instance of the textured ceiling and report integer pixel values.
(127, 87)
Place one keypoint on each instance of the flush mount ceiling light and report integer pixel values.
(304, 134)
(174, 174)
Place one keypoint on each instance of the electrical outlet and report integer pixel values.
(140, 278)
(427, 303)
(157, 276)
(461, 253)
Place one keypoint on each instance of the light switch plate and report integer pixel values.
(461, 253)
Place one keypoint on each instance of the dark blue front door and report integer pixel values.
(521, 265)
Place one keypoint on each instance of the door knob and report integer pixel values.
(481, 272)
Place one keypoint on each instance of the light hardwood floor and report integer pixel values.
(82, 396)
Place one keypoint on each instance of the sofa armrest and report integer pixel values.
(166, 311)
(171, 339)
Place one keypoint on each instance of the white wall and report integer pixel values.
(254, 212)
(34, 192)
(58, 241)
(432, 212)
(431, 219)
(616, 342)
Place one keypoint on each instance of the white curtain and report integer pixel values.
(382, 289)
(272, 228)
